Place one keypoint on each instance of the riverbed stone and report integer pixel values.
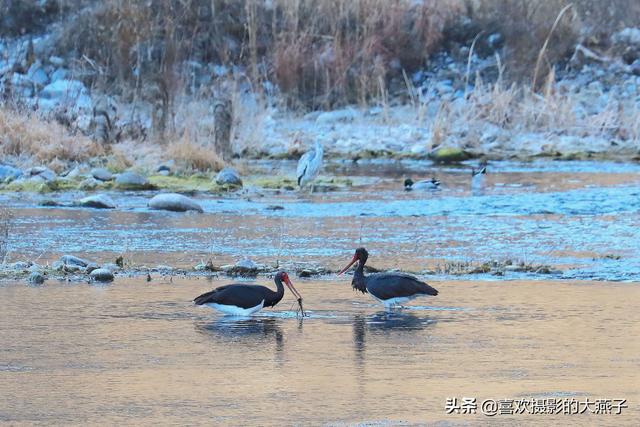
(101, 174)
(448, 155)
(97, 201)
(102, 275)
(229, 176)
(132, 181)
(89, 184)
(9, 173)
(36, 278)
(72, 260)
(42, 172)
(174, 202)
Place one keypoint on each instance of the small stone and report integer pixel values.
(97, 201)
(102, 275)
(174, 202)
(101, 174)
(36, 278)
(229, 176)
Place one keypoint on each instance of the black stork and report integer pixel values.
(388, 288)
(243, 299)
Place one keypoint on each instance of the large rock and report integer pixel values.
(9, 173)
(132, 181)
(101, 275)
(97, 201)
(449, 155)
(70, 94)
(40, 171)
(229, 176)
(72, 260)
(36, 278)
(89, 184)
(174, 202)
(101, 174)
(37, 74)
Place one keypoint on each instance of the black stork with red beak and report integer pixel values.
(243, 299)
(389, 288)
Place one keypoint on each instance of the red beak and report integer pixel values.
(292, 288)
(355, 258)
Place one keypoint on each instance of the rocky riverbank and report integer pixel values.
(458, 107)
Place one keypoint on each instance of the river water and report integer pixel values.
(580, 218)
(138, 352)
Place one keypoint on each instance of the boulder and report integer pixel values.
(70, 94)
(97, 201)
(72, 260)
(9, 173)
(174, 202)
(132, 181)
(101, 275)
(36, 278)
(229, 176)
(101, 174)
(37, 74)
(449, 155)
(59, 74)
(42, 172)
(89, 184)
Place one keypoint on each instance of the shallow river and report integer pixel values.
(138, 352)
(580, 218)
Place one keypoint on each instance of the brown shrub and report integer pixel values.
(191, 156)
(320, 52)
(23, 133)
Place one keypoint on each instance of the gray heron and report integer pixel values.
(309, 165)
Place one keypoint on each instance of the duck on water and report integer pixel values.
(427, 184)
(388, 288)
(244, 300)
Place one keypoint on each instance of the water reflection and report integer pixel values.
(385, 322)
(234, 329)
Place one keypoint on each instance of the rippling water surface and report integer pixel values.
(140, 353)
(580, 218)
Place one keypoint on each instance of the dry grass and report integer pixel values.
(24, 134)
(191, 156)
(319, 52)
(517, 109)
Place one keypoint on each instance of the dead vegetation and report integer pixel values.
(24, 134)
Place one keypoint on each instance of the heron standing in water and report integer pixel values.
(309, 165)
